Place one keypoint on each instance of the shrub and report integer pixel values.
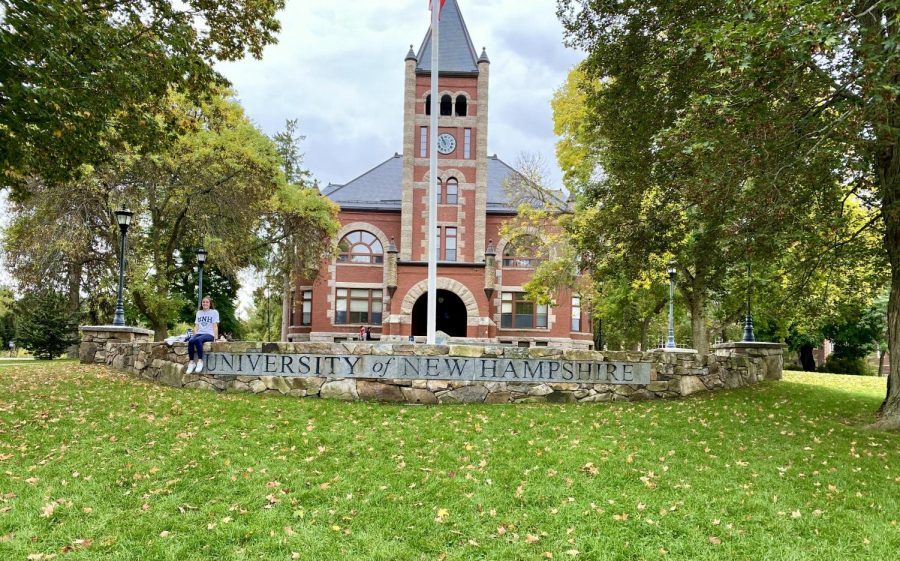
(45, 325)
(844, 365)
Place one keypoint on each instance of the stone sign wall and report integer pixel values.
(417, 373)
(429, 368)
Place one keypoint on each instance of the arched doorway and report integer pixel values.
(451, 314)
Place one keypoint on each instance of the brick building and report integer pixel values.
(379, 277)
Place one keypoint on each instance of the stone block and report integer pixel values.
(431, 350)
(499, 397)
(87, 352)
(257, 386)
(467, 394)
(418, 395)
(310, 386)
(437, 385)
(605, 396)
(378, 391)
(540, 389)
(171, 375)
(642, 395)
(200, 385)
(470, 351)
(277, 383)
(579, 354)
(544, 352)
(339, 389)
(561, 397)
(688, 385)
(658, 386)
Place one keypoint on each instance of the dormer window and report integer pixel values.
(446, 106)
(462, 106)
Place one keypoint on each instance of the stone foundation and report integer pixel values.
(672, 374)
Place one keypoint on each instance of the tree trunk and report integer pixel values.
(698, 323)
(286, 308)
(645, 327)
(807, 360)
(74, 288)
(889, 178)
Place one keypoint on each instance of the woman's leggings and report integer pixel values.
(196, 342)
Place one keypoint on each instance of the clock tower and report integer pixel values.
(462, 146)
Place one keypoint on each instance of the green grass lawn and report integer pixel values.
(96, 465)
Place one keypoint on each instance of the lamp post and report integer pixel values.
(123, 217)
(748, 319)
(670, 342)
(201, 259)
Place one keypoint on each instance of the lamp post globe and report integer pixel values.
(670, 340)
(201, 259)
(123, 219)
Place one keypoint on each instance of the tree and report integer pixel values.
(7, 317)
(61, 239)
(810, 86)
(302, 226)
(45, 325)
(80, 80)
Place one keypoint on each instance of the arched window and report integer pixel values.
(428, 104)
(452, 191)
(360, 247)
(446, 105)
(522, 254)
(461, 106)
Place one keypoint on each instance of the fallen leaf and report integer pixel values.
(714, 540)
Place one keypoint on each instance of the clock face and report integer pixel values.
(446, 143)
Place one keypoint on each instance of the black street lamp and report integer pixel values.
(123, 217)
(201, 259)
(748, 319)
(670, 342)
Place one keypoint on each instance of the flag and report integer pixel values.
(439, 9)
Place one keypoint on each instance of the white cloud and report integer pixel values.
(338, 67)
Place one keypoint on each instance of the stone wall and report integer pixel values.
(96, 340)
(672, 374)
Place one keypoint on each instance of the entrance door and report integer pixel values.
(450, 317)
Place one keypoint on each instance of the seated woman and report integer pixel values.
(206, 329)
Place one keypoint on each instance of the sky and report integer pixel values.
(338, 68)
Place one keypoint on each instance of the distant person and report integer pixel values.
(368, 333)
(362, 332)
(206, 329)
(12, 348)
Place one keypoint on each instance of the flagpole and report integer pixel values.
(433, 177)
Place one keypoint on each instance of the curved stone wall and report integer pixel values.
(415, 373)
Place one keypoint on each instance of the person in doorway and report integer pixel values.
(362, 332)
(206, 329)
(368, 333)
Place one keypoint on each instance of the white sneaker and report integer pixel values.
(199, 368)
(190, 368)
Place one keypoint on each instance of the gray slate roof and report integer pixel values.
(380, 188)
(456, 53)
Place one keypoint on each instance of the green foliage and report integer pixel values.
(856, 333)
(836, 364)
(7, 318)
(264, 323)
(74, 72)
(45, 325)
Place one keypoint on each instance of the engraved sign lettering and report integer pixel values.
(537, 371)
